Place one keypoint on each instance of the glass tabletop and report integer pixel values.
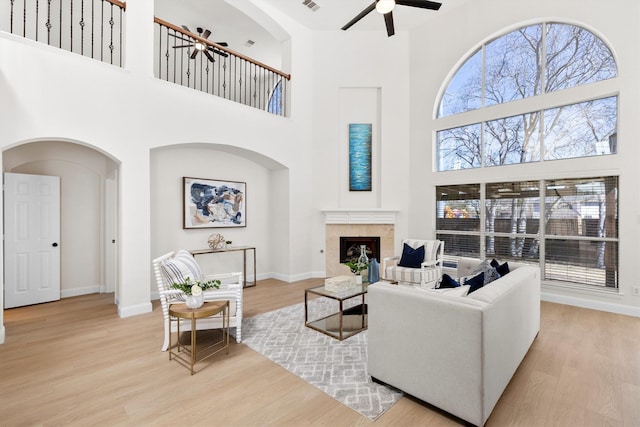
(340, 295)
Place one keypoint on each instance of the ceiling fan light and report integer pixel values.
(385, 6)
(199, 46)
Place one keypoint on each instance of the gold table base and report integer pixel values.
(181, 311)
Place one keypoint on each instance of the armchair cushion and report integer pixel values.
(411, 258)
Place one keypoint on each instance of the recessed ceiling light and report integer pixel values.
(249, 43)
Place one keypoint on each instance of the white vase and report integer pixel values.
(358, 279)
(194, 301)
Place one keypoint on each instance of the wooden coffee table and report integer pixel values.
(344, 323)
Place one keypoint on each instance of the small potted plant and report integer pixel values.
(193, 290)
(356, 268)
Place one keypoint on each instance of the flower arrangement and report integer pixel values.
(356, 266)
(196, 287)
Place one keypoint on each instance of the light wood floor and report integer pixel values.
(74, 362)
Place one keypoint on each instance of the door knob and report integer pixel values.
(55, 245)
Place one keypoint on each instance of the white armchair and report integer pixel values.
(407, 269)
(176, 267)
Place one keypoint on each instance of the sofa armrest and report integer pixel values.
(428, 345)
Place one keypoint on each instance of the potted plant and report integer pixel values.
(356, 268)
(193, 290)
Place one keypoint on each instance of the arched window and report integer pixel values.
(525, 63)
(567, 225)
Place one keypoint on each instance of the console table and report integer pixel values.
(243, 249)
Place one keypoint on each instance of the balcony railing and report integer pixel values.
(191, 60)
(94, 28)
(91, 28)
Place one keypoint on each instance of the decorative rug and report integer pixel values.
(338, 368)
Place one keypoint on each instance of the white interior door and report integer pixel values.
(32, 239)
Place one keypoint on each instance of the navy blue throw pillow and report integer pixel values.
(475, 283)
(502, 269)
(411, 258)
(448, 282)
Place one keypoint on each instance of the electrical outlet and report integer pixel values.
(636, 290)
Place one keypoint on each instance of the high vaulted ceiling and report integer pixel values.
(229, 24)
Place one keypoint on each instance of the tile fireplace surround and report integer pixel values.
(354, 222)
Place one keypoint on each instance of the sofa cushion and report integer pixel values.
(411, 258)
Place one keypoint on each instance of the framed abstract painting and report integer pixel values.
(209, 203)
(360, 157)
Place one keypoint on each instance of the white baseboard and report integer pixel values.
(134, 310)
(591, 304)
(66, 293)
(1, 334)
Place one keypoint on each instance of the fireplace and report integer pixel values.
(350, 248)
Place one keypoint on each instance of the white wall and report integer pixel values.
(454, 35)
(49, 94)
(352, 71)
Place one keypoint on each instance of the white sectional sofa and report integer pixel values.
(456, 353)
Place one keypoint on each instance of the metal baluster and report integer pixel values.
(82, 27)
(60, 31)
(70, 25)
(37, 17)
(111, 22)
(224, 78)
(120, 39)
(93, 24)
(48, 25)
(24, 18)
(101, 30)
(11, 17)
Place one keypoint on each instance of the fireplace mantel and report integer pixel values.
(359, 216)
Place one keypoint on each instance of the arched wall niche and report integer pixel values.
(267, 204)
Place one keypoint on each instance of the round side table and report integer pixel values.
(211, 308)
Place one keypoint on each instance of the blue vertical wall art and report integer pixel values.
(360, 157)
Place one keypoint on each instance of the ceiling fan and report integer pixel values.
(385, 7)
(198, 46)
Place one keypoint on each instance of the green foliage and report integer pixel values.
(188, 285)
(356, 267)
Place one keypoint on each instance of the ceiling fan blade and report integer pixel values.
(216, 51)
(181, 46)
(225, 44)
(424, 4)
(209, 56)
(194, 53)
(388, 20)
(206, 34)
(184, 27)
(360, 16)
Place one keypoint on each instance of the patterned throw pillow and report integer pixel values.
(490, 273)
(179, 267)
(502, 269)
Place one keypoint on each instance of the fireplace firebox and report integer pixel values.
(350, 248)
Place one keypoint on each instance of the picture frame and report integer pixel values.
(213, 203)
(360, 144)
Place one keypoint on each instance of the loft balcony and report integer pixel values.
(96, 29)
